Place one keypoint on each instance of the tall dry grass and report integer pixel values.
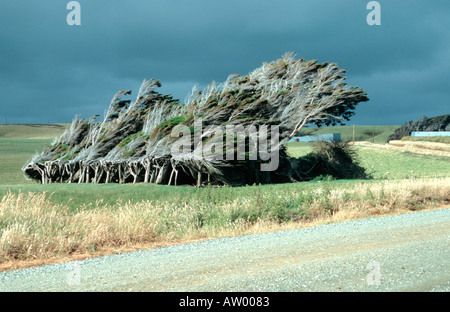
(32, 227)
(418, 144)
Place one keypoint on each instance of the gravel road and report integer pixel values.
(408, 252)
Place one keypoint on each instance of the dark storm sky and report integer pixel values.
(50, 71)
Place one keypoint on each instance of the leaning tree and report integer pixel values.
(231, 133)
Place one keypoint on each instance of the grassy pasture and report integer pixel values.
(390, 163)
(18, 143)
(393, 164)
(14, 153)
(49, 131)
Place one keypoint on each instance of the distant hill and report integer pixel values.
(438, 123)
(32, 131)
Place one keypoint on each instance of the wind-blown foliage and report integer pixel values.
(135, 140)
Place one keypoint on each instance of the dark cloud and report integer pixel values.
(52, 71)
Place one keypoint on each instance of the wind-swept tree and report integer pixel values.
(136, 141)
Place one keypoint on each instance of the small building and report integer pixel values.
(429, 133)
(317, 137)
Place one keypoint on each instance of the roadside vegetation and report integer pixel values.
(35, 227)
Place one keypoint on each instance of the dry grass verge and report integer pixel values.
(33, 230)
(408, 148)
(434, 146)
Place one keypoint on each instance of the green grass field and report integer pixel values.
(18, 143)
(388, 164)
(14, 153)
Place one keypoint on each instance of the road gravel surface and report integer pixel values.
(407, 252)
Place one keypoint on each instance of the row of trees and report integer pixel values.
(134, 141)
(438, 123)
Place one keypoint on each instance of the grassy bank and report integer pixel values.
(34, 227)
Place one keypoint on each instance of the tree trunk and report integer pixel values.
(162, 175)
(147, 171)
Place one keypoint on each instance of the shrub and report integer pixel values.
(338, 160)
